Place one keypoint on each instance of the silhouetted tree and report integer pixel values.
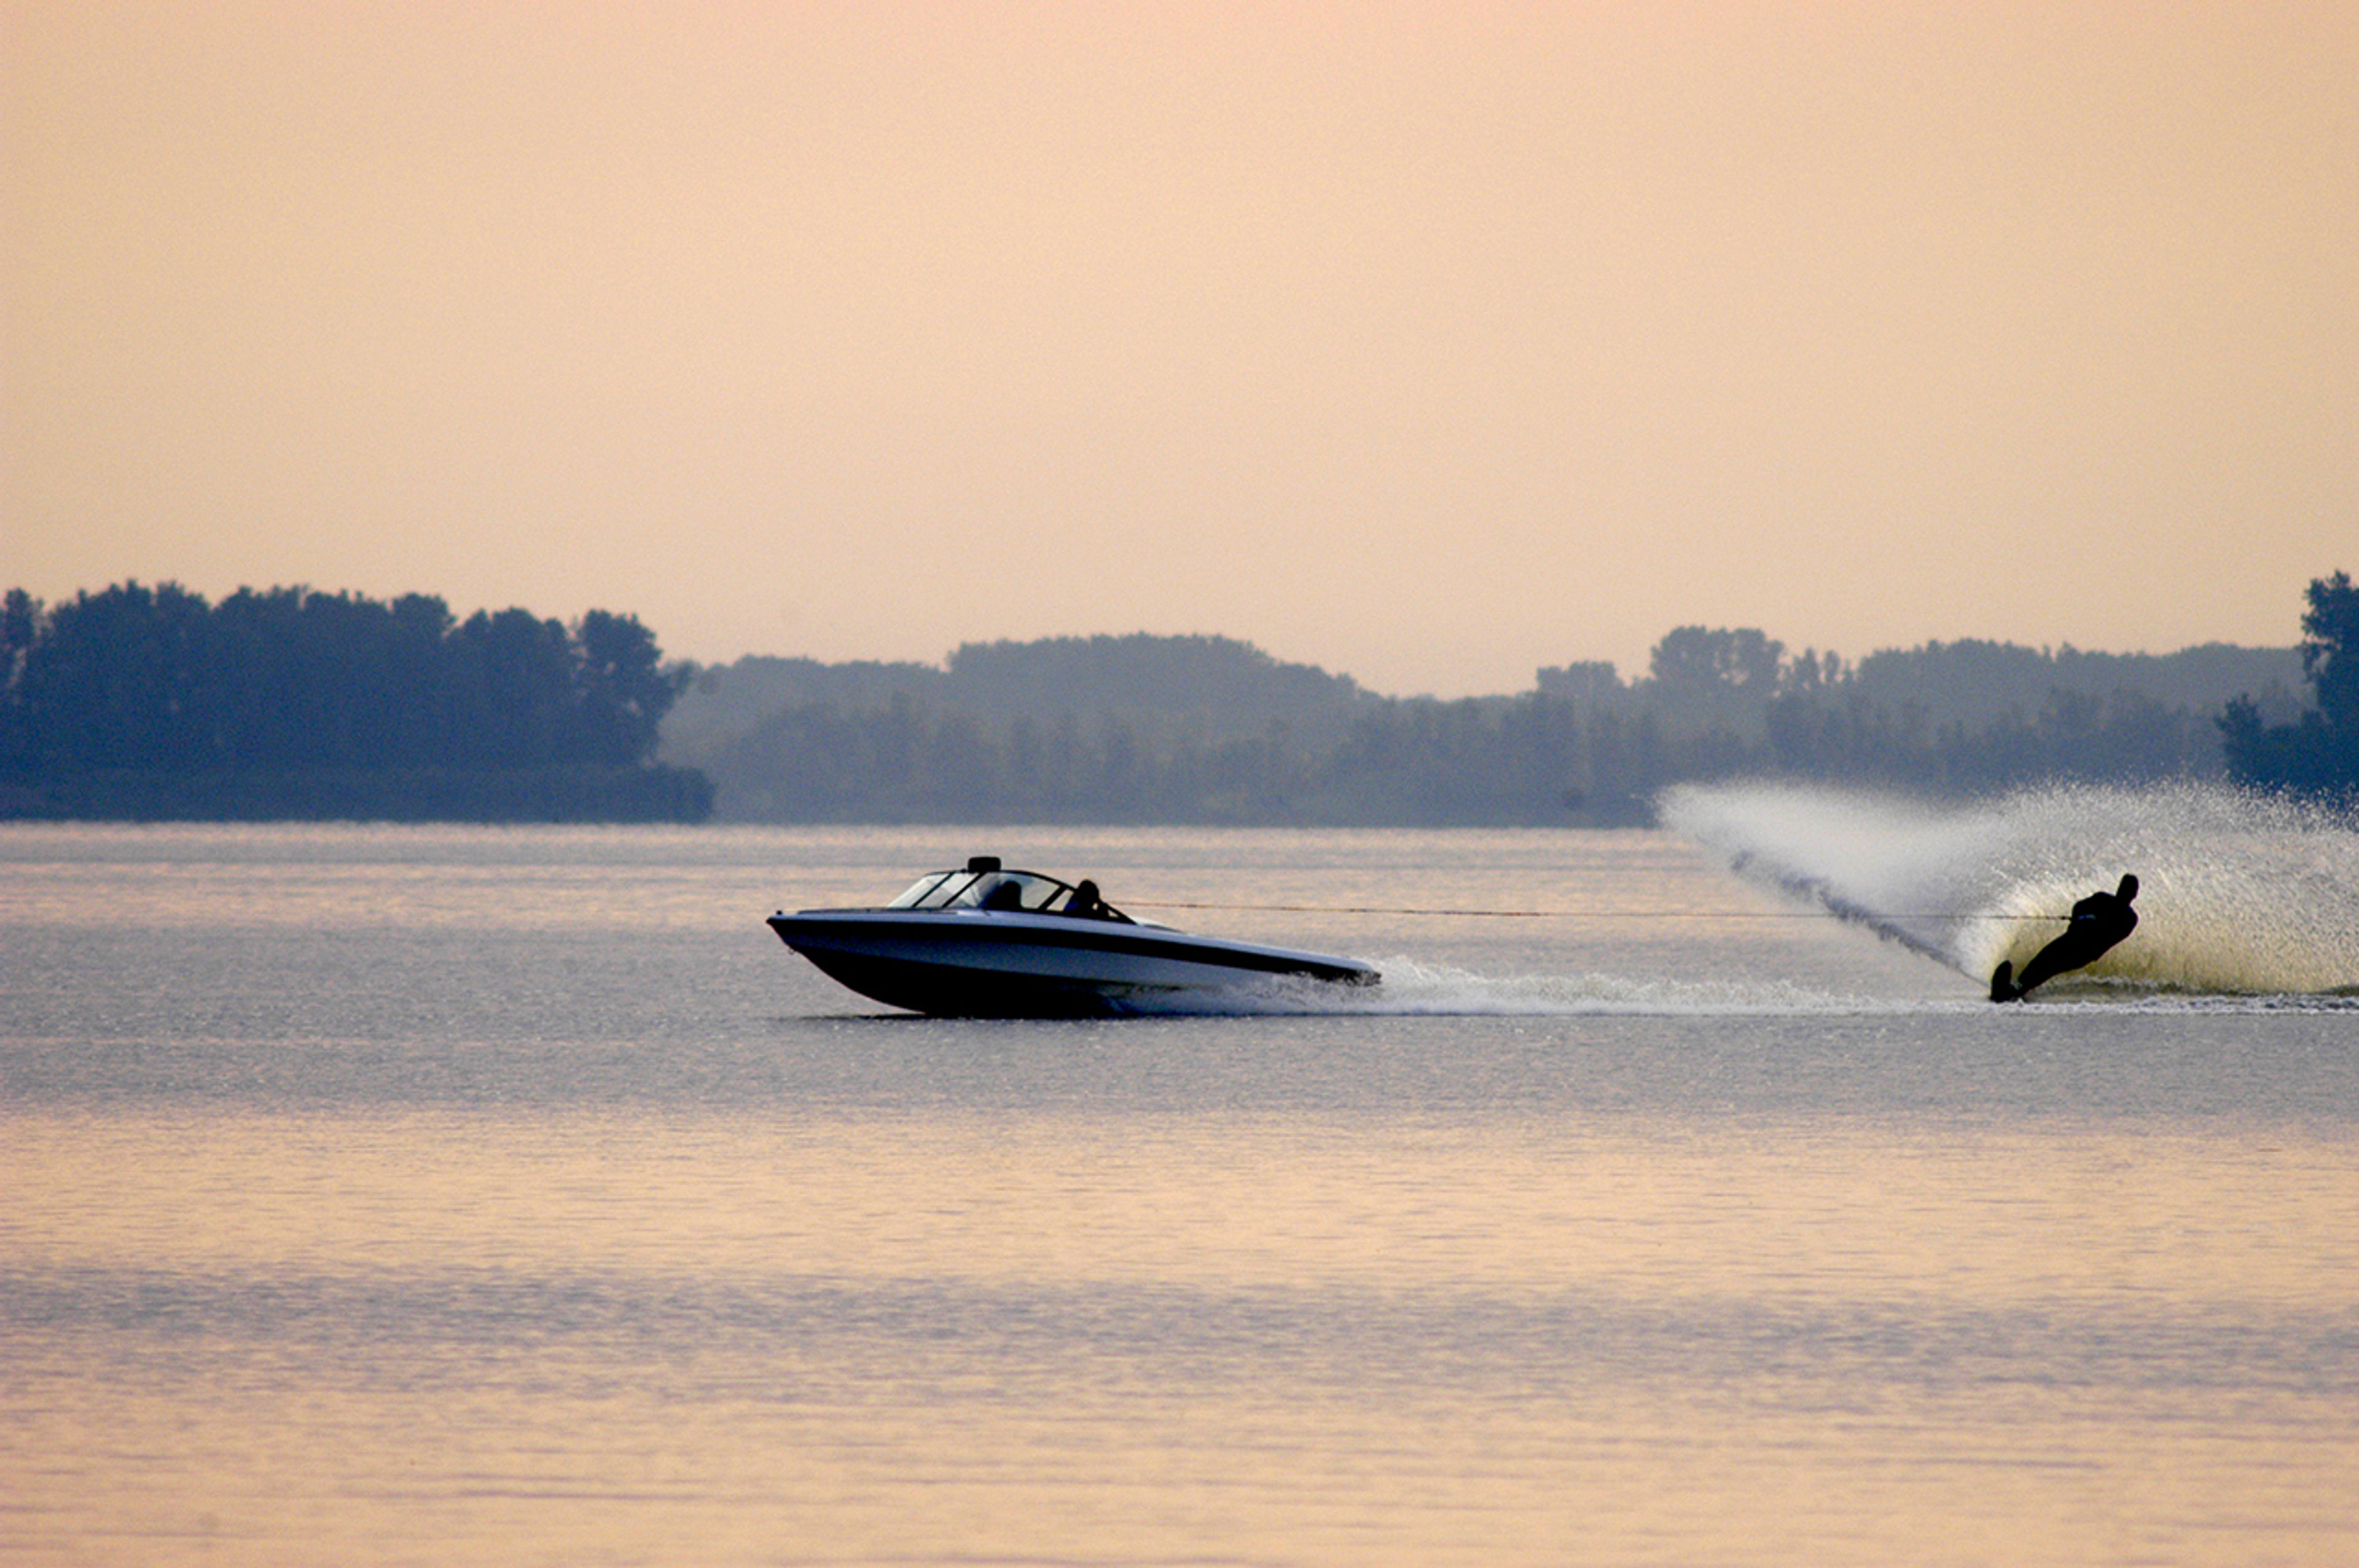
(624, 690)
(1692, 659)
(2330, 648)
(2319, 752)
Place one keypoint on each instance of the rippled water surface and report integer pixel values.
(466, 1195)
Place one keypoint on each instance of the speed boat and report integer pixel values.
(987, 942)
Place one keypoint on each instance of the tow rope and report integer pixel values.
(1573, 913)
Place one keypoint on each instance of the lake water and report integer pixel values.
(458, 1195)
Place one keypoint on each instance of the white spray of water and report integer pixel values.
(2238, 892)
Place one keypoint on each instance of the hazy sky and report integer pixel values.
(1430, 343)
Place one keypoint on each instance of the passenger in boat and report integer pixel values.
(1085, 903)
(2099, 922)
(1009, 895)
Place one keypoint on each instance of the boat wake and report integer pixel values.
(1411, 989)
(1414, 988)
(2239, 893)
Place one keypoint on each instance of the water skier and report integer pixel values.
(2099, 922)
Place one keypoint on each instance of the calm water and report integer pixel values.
(469, 1196)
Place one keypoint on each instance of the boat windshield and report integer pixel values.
(924, 885)
(983, 889)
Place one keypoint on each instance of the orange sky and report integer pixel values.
(1429, 344)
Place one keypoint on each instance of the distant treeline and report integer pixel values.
(1064, 731)
(1165, 688)
(152, 703)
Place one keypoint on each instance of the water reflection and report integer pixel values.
(1506, 1205)
(946, 1337)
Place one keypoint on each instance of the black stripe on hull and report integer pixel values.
(946, 991)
